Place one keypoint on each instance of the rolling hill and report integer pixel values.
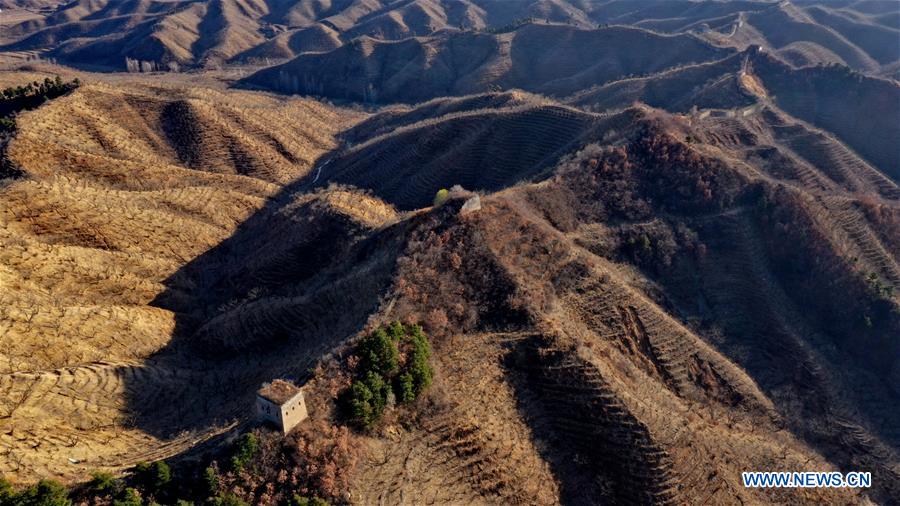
(652, 244)
(550, 59)
(101, 34)
(623, 290)
(557, 322)
(111, 204)
(739, 83)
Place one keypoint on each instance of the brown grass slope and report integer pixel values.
(636, 302)
(878, 41)
(536, 299)
(108, 209)
(670, 16)
(397, 116)
(819, 96)
(100, 34)
(853, 33)
(93, 17)
(860, 33)
(558, 359)
(29, 4)
(805, 54)
(602, 372)
(782, 24)
(286, 45)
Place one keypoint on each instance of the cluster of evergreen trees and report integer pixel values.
(43, 493)
(29, 96)
(50, 88)
(393, 367)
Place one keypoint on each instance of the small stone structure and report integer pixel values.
(471, 201)
(281, 403)
(471, 205)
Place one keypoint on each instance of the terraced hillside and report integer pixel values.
(104, 33)
(113, 201)
(597, 367)
(816, 101)
(29, 4)
(644, 301)
(743, 84)
(595, 69)
(712, 85)
(804, 32)
(619, 322)
(600, 364)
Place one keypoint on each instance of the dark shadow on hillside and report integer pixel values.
(819, 95)
(487, 150)
(180, 126)
(579, 483)
(292, 282)
(265, 303)
(563, 415)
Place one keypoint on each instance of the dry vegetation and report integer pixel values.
(113, 202)
(619, 399)
(645, 305)
(534, 292)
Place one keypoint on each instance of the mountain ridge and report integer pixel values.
(638, 248)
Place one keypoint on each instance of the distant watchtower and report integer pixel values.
(281, 403)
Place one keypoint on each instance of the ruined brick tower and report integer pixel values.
(281, 403)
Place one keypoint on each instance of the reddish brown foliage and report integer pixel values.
(676, 178)
(315, 460)
(323, 459)
(654, 172)
(441, 279)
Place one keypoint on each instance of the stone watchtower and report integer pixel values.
(281, 403)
